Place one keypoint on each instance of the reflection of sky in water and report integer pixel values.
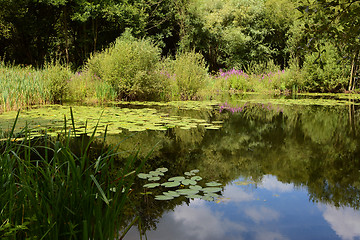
(272, 211)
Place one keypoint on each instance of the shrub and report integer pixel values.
(57, 78)
(129, 66)
(324, 71)
(188, 73)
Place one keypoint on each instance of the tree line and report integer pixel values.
(228, 33)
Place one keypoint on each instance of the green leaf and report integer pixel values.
(143, 175)
(187, 191)
(213, 184)
(195, 187)
(154, 179)
(151, 185)
(171, 184)
(163, 197)
(172, 193)
(188, 182)
(162, 169)
(180, 178)
(211, 189)
(194, 196)
(196, 178)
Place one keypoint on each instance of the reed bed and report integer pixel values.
(49, 192)
(21, 87)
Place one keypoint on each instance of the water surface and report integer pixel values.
(289, 168)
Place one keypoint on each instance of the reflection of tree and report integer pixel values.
(309, 146)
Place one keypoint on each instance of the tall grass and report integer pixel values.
(25, 86)
(21, 87)
(49, 192)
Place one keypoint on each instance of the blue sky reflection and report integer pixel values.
(270, 211)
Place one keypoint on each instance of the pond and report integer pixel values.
(285, 168)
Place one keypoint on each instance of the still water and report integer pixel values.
(288, 168)
(288, 172)
(274, 210)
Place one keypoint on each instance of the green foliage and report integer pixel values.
(57, 78)
(21, 86)
(189, 74)
(50, 191)
(85, 87)
(324, 71)
(234, 33)
(129, 66)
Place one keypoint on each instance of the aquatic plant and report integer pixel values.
(115, 119)
(187, 185)
(49, 192)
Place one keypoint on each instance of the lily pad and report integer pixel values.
(171, 184)
(195, 171)
(180, 178)
(171, 193)
(213, 184)
(163, 197)
(151, 185)
(144, 175)
(215, 127)
(211, 194)
(194, 196)
(195, 187)
(196, 178)
(211, 189)
(207, 198)
(188, 182)
(162, 170)
(187, 191)
(154, 179)
(156, 173)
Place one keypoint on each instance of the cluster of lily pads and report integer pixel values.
(187, 185)
(114, 119)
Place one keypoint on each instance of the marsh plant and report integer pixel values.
(255, 79)
(49, 192)
(187, 185)
(24, 86)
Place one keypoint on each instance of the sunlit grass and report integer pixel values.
(50, 192)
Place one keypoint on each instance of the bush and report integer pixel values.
(188, 73)
(323, 71)
(57, 78)
(129, 66)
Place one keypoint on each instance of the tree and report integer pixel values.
(32, 31)
(338, 21)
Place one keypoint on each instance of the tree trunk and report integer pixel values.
(66, 35)
(353, 72)
(351, 75)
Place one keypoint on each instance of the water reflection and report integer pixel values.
(292, 156)
(344, 221)
(257, 213)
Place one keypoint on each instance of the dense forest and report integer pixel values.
(318, 41)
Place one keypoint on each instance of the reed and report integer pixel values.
(21, 87)
(49, 192)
